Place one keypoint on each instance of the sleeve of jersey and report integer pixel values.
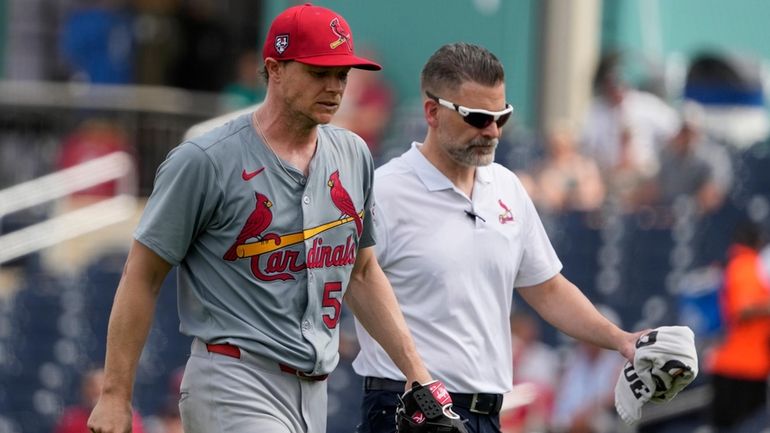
(368, 235)
(184, 198)
(539, 262)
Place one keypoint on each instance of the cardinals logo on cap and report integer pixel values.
(343, 36)
(281, 43)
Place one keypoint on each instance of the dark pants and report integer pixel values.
(378, 415)
(737, 400)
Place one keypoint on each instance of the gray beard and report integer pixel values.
(470, 154)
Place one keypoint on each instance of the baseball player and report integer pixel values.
(268, 219)
(456, 234)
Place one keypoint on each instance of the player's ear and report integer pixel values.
(273, 68)
(430, 109)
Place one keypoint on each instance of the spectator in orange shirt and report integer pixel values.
(740, 365)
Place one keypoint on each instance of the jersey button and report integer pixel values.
(306, 325)
(306, 199)
(302, 181)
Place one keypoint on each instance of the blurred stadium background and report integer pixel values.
(93, 94)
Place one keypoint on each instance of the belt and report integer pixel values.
(482, 404)
(235, 352)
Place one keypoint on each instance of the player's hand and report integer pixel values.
(427, 409)
(111, 415)
(627, 347)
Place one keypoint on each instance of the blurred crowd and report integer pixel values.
(633, 149)
(197, 45)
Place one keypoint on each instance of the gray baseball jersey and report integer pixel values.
(264, 253)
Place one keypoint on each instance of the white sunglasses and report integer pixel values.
(476, 117)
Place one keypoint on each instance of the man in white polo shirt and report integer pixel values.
(456, 233)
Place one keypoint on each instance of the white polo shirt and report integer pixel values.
(454, 273)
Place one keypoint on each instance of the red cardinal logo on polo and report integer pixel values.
(342, 200)
(507, 215)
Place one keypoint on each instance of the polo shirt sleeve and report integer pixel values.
(380, 229)
(539, 261)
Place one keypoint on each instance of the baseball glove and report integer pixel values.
(427, 409)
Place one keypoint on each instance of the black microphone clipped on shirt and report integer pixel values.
(474, 215)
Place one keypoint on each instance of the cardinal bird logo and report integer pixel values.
(507, 215)
(258, 221)
(343, 36)
(342, 200)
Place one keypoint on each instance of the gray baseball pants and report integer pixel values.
(224, 394)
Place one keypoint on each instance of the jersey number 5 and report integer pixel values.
(331, 301)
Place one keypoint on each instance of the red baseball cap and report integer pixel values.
(314, 36)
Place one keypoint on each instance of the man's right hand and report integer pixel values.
(427, 409)
(111, 415)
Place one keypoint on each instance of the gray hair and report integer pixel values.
(458, 63)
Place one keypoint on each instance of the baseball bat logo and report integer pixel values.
(507, 215)
(279, 259)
